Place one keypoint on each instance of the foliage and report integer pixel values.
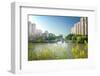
(77, 38)
(77, 53)
(39, 39)
(51, 52)
(45, 53)
(69, 37)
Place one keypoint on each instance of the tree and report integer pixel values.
(69, 37)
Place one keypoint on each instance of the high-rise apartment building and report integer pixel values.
(33, 32)
(81, 27)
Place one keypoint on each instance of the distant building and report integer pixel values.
(33, 33)
(31, 30)
(80, 28)
(38, 32)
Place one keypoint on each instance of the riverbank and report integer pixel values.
(49, 51)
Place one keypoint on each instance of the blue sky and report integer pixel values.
(54, 24)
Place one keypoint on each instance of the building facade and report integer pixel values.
(33, 32)
(81, 27)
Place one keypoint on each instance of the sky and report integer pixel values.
(54, 24)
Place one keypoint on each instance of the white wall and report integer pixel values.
(5, 33)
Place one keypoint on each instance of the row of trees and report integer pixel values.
(47, 38)
(51, 38)
(77, 38)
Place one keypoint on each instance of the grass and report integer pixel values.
(80, 52)
(46, 53)
(56, 52)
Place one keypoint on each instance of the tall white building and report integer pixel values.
(33, 32)
(84, 25)
(81, 27)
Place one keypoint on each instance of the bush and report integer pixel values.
(77, 53)
(77, 38)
